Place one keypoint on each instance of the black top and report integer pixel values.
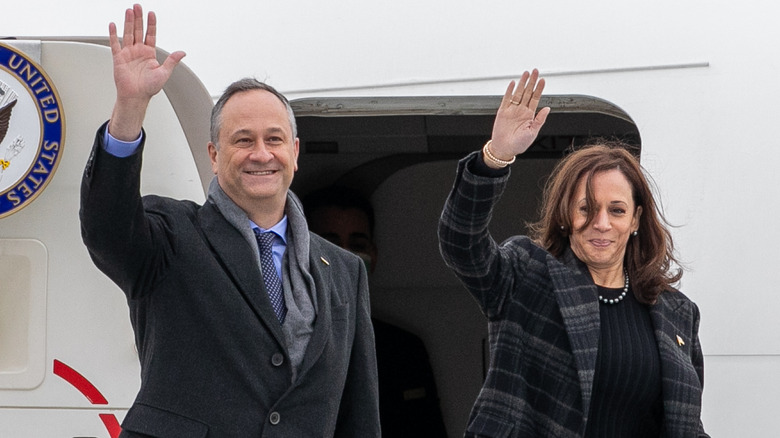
(626, 399)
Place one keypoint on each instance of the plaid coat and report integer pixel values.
(543, 320)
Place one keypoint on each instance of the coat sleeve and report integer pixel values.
(114, 226)
(487, 270)
(359, 409)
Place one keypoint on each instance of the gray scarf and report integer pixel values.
(299, 289)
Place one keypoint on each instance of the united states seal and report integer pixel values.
(32, 130)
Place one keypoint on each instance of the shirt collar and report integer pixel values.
(280, 229)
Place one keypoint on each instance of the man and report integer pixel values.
(246, 324)
(408, 398)
(345, 218)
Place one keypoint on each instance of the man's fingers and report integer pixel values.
(113, 40)
(173, 60)
(127, 33)
(151, 30)
(138, 25)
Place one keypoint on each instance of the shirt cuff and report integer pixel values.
(119, 148)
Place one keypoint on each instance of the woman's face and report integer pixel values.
(602, 244)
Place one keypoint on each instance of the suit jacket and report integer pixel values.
(544, 328)
(213, 357)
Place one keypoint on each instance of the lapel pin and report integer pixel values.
(328, 264)
(680, 341)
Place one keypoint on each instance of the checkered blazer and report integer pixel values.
(543, 320)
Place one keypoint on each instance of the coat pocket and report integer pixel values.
(156, 422)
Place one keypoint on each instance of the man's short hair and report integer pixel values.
(239, 86)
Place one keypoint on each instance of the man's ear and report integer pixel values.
(213, 156)
(296, 145)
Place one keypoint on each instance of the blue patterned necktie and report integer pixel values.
(272, 282)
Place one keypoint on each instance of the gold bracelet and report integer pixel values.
(497, 161)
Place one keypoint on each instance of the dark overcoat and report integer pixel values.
(212, 352)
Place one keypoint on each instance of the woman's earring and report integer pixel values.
(635, 233)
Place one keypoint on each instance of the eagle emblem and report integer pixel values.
(7, 103)
(32, 130)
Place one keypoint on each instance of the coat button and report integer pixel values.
(274, 418)
(277, 359)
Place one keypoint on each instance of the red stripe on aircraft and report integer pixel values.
(79, 382)
(112, 425)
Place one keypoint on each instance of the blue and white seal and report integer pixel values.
(32, 130)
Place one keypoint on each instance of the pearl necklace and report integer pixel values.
(621, 296)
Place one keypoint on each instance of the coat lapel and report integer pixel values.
(238, 261)
(673, 326)
(576, 296)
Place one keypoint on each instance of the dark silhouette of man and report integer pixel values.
(408, 399)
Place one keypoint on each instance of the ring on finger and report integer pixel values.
(514, 102)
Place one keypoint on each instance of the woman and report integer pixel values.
(588, 337)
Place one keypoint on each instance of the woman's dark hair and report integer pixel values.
(649, 259)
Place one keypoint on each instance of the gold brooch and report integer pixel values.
(680, 341)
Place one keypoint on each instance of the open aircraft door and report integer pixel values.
(401, 153)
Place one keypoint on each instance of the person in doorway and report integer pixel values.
(588, 336)
(246, 323)
(408, 399)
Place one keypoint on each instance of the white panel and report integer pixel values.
(741, 396)
(23, 273)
